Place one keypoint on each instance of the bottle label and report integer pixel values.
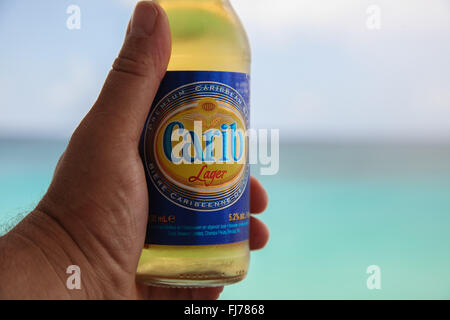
(195, 152)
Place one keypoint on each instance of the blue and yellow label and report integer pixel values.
(195, 152)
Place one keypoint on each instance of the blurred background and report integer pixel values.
(361, 92)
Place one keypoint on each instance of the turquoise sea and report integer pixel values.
(335, 209)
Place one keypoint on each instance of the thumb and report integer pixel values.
(131, 85)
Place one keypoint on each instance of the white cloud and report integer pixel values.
(329, 15)
(345, 80)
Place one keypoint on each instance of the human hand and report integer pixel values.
(94, 214)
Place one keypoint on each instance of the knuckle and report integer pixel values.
(135, 57)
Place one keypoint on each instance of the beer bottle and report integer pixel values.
(195, 152)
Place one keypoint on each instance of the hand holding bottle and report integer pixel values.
(95, 212)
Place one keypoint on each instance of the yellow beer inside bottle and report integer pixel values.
(206, 36)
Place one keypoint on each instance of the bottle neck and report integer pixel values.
(206, 35)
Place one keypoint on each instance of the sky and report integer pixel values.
(320, 70)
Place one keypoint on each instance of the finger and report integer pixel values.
(259, 234)
(131, 85)
(258, 196)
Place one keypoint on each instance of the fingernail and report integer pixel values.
(144, 18)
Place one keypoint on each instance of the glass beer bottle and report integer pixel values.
(195, 151)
